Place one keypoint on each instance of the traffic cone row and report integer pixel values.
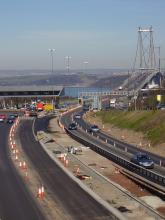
(15, 151)
(12, 143)
(22, 164)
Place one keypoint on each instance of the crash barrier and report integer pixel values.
(131, 148)
(148, 174)
(126, 146)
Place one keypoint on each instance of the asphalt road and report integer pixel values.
(120, 146)
(74, 202)
(16, 202)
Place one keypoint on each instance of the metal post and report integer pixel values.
(128, 92)
(135, 103)
(159, 59)
(68, 62)
(51, 55)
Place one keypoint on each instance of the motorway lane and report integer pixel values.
(16, 201)
(74, 202)
(120, 148)
(109, 146)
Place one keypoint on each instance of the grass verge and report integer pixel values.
(150, 123)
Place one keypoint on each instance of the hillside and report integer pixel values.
(111, 81)
(150, 123)
(77, 79)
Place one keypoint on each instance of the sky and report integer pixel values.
(101, 33)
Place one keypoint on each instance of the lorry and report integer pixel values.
(40, 106)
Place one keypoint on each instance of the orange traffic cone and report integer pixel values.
(26, 176)
(24, 165)
(16, 157)
(14, 144)
(78, 171)
(116, 170)
(66, 163)
(64, 159)
(42, 192)
(20, 164)
(39, 194)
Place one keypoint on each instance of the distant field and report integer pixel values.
(151, 123)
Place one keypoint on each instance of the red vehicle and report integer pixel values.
(40, 106)
(2, 117)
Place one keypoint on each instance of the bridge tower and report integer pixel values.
(145, 60)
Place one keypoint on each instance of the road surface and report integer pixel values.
(74, 202)
(16, 202)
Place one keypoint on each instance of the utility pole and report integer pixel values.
(128, 92)
(159, 66)
(68, 62)
(51, 56)
(135, 98)
(159, 58)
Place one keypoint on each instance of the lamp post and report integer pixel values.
(51, 56)
(68, 62)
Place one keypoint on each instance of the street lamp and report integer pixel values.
(68, 62)
(51, 56)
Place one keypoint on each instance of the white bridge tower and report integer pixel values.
(145, 55)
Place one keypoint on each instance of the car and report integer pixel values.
(86, 107)
(161, 106)
(16, 115)
(10, 121)
(12, 116)
(72, 126)
(94, 128)
(2, 117)
(77, 116)
(143, 159)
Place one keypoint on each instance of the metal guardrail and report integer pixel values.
(130, 148)
(125, 146)
(148, 174)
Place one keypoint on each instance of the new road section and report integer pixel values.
(73, 200)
